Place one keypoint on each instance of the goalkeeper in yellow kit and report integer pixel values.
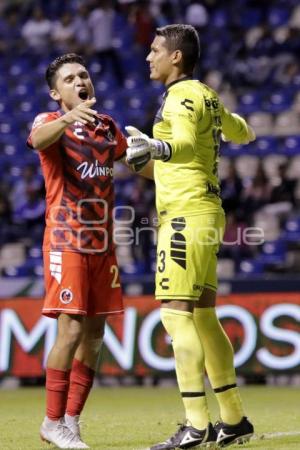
(184, 155)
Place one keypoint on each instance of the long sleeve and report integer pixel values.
(234, 127)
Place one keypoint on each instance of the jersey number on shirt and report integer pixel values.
(162, 262)
(115, 281)
(216, 132)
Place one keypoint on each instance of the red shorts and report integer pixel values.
(78, 283)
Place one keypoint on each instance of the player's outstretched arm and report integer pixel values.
(236, 129)
(46, 134)
(141, 149)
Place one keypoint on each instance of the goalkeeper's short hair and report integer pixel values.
(184, 38)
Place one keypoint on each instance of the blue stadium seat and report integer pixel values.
(124, 38)
(134, 82)
(219, 18)
(291, 145)
(5, 108)
(265, 145)
(278, 16)
(13, 149)
(112, 103)
(135, 117)
(250, 102)
(26, 104)
(23, 90)
(28, 268)
(156, 89)
(95, 68)
(251, 267)
(35, 253)
(233, 150)
(273, 252)
(19, 68)
(106, 85)
(7, 128)
(41, 68)
(250, 17)
(24, 120)
(51, 106)
(134, 268)
(278, 102)
(296, 82)
(136, 99)
(132, 60)
(291, 232)
(16, 272)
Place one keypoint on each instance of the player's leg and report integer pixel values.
(234, 427)
(83, 369)
(105, 298)
(177, 319)
(218, 357)
(65, 276)
(177, 288)
(218, 349)
(69, 330)
(59, 363)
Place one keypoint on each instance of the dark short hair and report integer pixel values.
(53, 67)
(184, 38)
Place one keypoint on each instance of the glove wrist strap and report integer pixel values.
(160, 150)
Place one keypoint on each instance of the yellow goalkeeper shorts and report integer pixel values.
(187, 256)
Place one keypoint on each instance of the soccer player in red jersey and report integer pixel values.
(77, 147)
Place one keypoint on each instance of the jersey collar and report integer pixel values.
(189, 77)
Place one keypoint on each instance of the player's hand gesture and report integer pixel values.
(141, 148)
(82, 113)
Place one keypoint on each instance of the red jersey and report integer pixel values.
(78, 173)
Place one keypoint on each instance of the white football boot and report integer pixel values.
(58, 433)
(73, 424)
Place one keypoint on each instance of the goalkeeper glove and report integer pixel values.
(141, 149)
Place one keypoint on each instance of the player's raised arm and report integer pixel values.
(45, 134)
(236, 129)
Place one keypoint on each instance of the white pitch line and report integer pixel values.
(279, 434)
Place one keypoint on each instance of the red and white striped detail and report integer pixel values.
(56, 265)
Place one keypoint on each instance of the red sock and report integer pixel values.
(57, 385)
(81, 381)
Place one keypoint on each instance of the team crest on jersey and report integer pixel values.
(66, 296)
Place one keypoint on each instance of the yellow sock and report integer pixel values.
(219, 364)
(189, 362)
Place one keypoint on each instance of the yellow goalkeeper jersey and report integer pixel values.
(191, 119)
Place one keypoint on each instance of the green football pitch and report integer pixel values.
(122, 418)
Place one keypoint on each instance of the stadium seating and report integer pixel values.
(271, 106)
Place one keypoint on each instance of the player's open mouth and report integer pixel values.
(83, 94)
